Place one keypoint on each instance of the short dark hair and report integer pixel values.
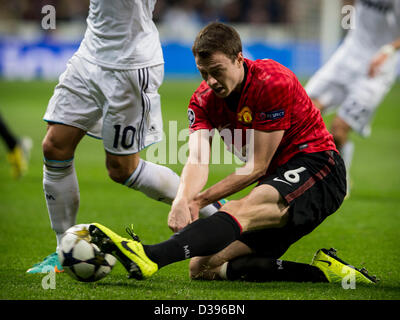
(217, 37)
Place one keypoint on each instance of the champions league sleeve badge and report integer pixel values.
(191, 117)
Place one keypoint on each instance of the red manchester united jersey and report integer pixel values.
(272, 98)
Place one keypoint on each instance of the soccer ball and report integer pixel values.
(81, 259)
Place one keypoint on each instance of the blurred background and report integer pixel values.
(301, 34)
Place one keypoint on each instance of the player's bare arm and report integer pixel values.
(265, 145)
(382, 56)
(193, 179)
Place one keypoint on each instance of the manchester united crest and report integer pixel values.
(245, 115)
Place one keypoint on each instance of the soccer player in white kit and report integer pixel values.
(360, 73)
(109, 90)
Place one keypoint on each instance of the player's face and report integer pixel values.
(222, 74)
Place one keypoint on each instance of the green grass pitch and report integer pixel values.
(365, 230)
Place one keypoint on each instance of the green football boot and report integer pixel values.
(50, 263)
(336, 270)
(129, 252)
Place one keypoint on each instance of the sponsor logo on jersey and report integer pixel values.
(272, 115)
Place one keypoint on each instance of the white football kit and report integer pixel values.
(343, 81)
(110, 86)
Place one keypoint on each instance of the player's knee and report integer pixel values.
(55, 151)
(120, 168)
(119, 172)
(200, 270)
(195, 269)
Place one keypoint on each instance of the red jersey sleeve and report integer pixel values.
(197, 114)
(273, 110)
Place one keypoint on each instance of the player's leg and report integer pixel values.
(256, 258)
(323, 185)
(340, 131)
(325, 267)
(326, 95)
(8, 137)
(264, 206)
(155, 181)
(60, 182)
(238, 262)
(356, 114)
(209, 267)
(72, 111)
(325, 88)
(324, 175)
(18, 150)
(264, 269)
(327, 91)
(60, 185)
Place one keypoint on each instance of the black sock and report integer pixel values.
(200, 238)
(7, 135)
(263, 269)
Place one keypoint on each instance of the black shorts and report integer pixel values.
(314, 186)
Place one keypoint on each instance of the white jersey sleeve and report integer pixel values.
(121, 34)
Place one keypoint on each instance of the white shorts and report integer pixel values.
(343, 82)
(122, 107)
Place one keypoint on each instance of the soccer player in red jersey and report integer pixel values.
(300, 176)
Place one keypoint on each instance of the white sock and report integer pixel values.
(159, 183)
(208, 211)
(155, 181)
(61, 190)
(347, 151)
(222, 271)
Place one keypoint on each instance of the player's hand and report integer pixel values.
(194, 208)
(376, 64)
(179, 216)
(379, 59)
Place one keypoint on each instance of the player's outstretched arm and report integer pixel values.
(193, 179)
(259, 158)
(382, 56)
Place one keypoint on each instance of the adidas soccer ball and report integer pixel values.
(81, 259)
